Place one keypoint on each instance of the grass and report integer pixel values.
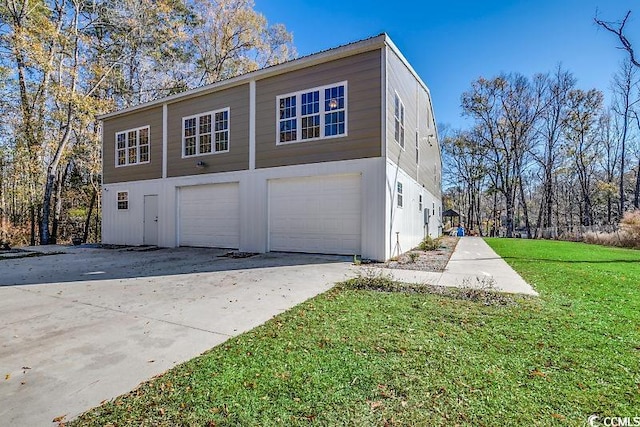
(356, 357)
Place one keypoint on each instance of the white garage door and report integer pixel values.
(317, 214)
(209, 216)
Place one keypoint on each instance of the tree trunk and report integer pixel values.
(32, 215)
(87, 223)
(636, 194)
(46, 206)
(510, 212)
(479, 216)
(525, 211)
(57, 205)
(97, 226)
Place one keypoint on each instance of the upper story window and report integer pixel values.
(419, 202)
(206, 133)
(132, 146)
(312, 114)
(417, 147)
(400, 195)
(399, 120)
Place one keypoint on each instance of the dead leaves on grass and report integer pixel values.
(60, 418)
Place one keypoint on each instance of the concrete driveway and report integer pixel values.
(88, 324)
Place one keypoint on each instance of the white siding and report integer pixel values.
(126, 227)
(407, 221)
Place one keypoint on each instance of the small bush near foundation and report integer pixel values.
(429, 244)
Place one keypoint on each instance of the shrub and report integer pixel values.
(371, 279)
(413, 256)
(628, 236)
(429, 244)
(630, 224)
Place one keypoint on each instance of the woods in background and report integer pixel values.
(62, 62)
(545, 158)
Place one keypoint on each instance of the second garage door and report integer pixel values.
(209, 216)
(315, 214)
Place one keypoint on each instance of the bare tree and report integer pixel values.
(609, 161)
(618, 29)
(233, 39)
(549, 133)
(505, 110)
(581, 120)
(625, 89)
(465, 165)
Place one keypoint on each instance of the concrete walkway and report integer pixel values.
(472, 264)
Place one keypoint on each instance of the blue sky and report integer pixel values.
(452, 43)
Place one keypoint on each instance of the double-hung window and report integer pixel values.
(400, 195)
(132, 146)
(206, 133)
(312, 114)
(123, 200)
(399, 120)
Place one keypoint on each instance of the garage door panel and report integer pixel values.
(316, 214)
(210, 216)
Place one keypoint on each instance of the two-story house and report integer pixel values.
(335, 152)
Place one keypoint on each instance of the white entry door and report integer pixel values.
(316, 214)
(151, 220)
(209, 216)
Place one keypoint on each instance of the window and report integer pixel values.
(123, 200)
(312, 114)
(288, 122)
(420, 203)
(400, 201)
(132, 146)
(206, 133)
(417, 148)
(399, 119)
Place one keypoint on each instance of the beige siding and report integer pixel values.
(237, 99)
(151, 170)
(363, 74)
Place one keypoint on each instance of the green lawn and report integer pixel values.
(353, 357)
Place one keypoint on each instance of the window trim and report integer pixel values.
(322, 113)
(397, 120)
(126, 200)
(126, 148)
(399, 195)
(211, 113)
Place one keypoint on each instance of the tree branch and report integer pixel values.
(619, 31)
